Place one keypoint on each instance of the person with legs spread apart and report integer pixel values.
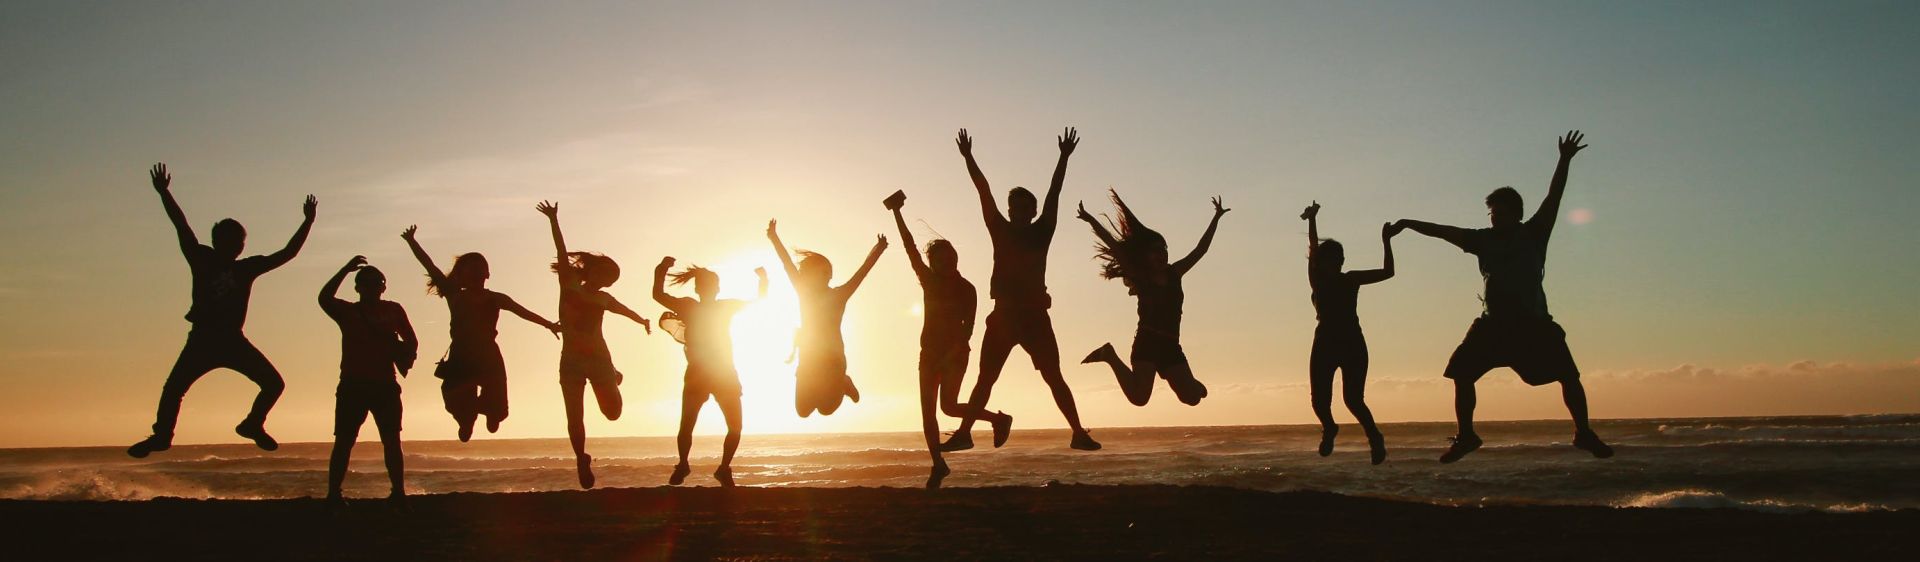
(584, 357)
(376, 340)
(473, 376)
(1019, 290)
(1137, 256)
(821, 381)
(1514, 329)
(705, 326)
(1337, 341)
(222, 285)
(947, 311)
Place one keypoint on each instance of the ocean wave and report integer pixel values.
(1709, 499)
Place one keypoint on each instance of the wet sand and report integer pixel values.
(1052, 523)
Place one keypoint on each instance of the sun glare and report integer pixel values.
(763, 341)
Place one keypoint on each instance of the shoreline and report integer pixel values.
(1053, 522)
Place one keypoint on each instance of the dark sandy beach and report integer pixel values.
(1062, 522)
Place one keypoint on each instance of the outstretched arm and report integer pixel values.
(437, 278)
(913, 251)
(286, 254)
(613, 305)
(988, 208)
(1206, 241)
(162, 181)
(329, 291)
(780, 248)
(1312, 216)
(506, 303)
(1099, 230)
(552, 211)
(1050, 209)
(1549, 211)
(1457, 236)
(873, 257)
(1387, 231)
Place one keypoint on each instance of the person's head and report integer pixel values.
(469, 272)
(1504, 206)
(1021, 206)
(1137, 250)
(1327, 257)
(596, 271)
(370, 283)
(942, 257)
(229, 238)
(814, 270)
(706, 283)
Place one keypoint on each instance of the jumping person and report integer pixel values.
(222, 284)
(1514, 329)
(1019, 292)
(1137, 256)
(949, 303)
(584, 357)
(376, 340)
(473, 376)
(821, 381)
(707, 325)
(1337, 342)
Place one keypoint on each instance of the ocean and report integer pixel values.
(1828, 463)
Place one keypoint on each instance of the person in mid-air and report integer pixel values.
(1137, 256)
(821, 380)
(584, 357)
(1337, 341)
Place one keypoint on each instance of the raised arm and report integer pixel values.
(1457, 236)
(773, 235)
(162, 181)
(1099, 230)
(660, 285)
(299, 239)
(1050, 209)
(552, 211)
(1206, 241)
(1387, 231)
(988, 208)
(1549, 211)
(330, 291)
(506, 303)
(873, 257)
(434, 275)
(913, 251)
(1312, 216)
(761, 272)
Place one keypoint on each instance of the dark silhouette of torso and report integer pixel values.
(221, 289)
(1020, 260)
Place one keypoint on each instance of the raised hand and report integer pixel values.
(161, 179)
(356, 262)
(1068, 140)
(548, 208)
(408, 233)
(1570, 144)
(1311, 212)
(773, 229)
(880, 243)
(310, 207)
(1217, 209)
(760, 272)
(666, 262)
(964, 142)
(1080, 212)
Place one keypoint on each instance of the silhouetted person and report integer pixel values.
(1019, 291)
(1337, 341)
(222, 284)
(1514, 329)
(376, 340)
(584, 357)
(473, 375)
(947, 325)
(1137, 256)
(821, 380)
(706, 327)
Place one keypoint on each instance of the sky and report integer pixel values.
(1738, 238)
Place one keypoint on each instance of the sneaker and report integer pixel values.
(397, 503)
(1102, 355)
(1461, 446)
(1083, 441)
(1326, 439)
(725, 476)
(1590, 442)
(258, 433)
(1188, 390)
(940, 472)
(584, 464)
(960, 441)
(153, 443)
(466, 432)
(1001, 429)
(1377, 447)
(679, 476)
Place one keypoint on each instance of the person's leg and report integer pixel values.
(1135, 383)
(386, 418)
(691, 400)
(929, 426)
(1321, 363)
(1464, 400)
(573, 397)
(730, 409)
(1037, 338)
(607, 394)
(248, 361)
(461, 396)
(1575, 396)
(349, 413)
(192, 364)
(492, 402)
(1478, 353)
(994, 348)
(1353, 386)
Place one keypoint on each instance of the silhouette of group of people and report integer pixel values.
(378, 343)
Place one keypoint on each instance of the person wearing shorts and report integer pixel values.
(376, 341)
(705, 326)
(584, 357)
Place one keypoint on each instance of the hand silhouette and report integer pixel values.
(1080, 212)
(772, 229)
(408, 233)
(666, 262)
(310, 207)
(356, 262)
(880, 243)
(1217, 209)
(965, 142)
(548, 208)
(161, 179)
(648, 324)
(1069, 139)
(1570, 144)
(1312, 211)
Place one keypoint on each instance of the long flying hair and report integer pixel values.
(590, 268)
(1133, 243)
(692, 274)
(469, 271)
